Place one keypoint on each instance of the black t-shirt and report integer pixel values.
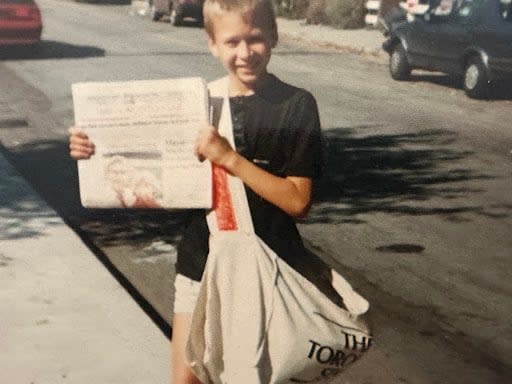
(278, 129)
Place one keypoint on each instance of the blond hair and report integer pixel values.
(262, 9)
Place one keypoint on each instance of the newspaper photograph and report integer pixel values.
(144, 133)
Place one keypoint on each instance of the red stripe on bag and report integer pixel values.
(222, 203)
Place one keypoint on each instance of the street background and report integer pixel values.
(414, 208)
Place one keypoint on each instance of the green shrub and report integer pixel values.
(345, 14)
(315, 13)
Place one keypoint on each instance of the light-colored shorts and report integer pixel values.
(186, 292)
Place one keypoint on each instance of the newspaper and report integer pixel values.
(144, 133)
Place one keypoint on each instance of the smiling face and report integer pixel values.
(243, 45)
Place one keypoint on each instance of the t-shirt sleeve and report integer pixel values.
(306, 144)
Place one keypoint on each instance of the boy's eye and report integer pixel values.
(231, 43)
(255, 40)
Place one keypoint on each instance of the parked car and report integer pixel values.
(177, 10)
(471, 39)
(20, 22)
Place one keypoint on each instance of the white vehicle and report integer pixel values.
(414, 7)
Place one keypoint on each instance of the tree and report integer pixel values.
(346, 14)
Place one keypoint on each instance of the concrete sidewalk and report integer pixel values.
(63, 317)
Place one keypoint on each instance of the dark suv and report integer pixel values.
(468, 38)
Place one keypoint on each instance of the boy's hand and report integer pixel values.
(80, 147)
(214, 147)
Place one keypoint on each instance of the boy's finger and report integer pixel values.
(81, 150)
(80, 146)
(81, 143)
(77, 140)
(78, 155)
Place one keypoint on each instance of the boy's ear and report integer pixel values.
(212, 46)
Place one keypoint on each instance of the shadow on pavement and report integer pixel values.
(501, 90)
(402, 174)
(23, 214)
(188, 23)
(439, 79)
(49, 49)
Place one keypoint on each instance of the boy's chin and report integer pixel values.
(251, 79)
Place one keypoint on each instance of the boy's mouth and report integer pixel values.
(248, 68)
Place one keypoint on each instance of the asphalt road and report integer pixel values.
(414, 209)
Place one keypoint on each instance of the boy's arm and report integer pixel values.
(292, 194)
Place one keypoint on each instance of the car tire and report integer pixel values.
(175, 17)
(475, 82)
(155, 15)
(398, 64)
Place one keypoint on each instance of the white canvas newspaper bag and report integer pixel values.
(257, 320)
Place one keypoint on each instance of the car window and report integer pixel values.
(506, 10)
(442, 7)
(467, 9)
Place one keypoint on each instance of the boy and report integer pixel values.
(278, 151)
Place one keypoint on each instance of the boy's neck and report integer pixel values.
(235, 88)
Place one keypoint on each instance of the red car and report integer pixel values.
(20, 22)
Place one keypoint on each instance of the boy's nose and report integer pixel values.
(243, 50)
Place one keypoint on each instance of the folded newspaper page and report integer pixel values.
(144, 133)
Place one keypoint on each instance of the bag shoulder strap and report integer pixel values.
(230, 207)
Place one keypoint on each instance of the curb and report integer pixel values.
(363, 42)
